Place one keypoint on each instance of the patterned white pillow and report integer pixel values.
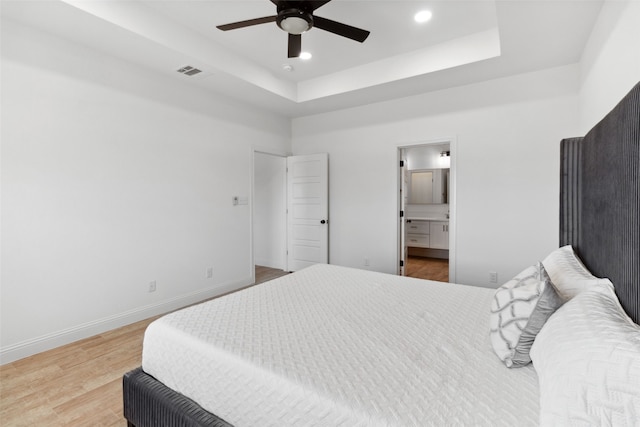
(587, 357)
(568, 274)
(519, 309)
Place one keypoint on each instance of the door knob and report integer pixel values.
(323, 221)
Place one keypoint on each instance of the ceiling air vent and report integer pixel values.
(189, 70)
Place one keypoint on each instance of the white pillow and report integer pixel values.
(568, 274)
(587, 357)
(518, 310)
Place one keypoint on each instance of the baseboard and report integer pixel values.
(56, 339)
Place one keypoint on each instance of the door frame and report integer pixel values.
(453, 148)
(274, 153)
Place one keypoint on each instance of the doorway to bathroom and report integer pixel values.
(426, 195)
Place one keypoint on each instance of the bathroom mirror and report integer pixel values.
(429, 186)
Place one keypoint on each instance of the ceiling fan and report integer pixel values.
(296, 17)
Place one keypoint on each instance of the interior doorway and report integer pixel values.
(426, 195)
(269, 210)
(289, 214)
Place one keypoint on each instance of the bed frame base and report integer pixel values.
(149, 403)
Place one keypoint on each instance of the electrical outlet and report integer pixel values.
(210, 273)
(493, 277)
(152, 286)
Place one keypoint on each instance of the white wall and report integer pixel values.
(114, 176)
(610, 64)
(269, 211)
(507, 134)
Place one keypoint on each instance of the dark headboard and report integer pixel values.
(600, 199)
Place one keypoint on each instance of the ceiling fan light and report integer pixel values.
(295, 25)
(294, 21)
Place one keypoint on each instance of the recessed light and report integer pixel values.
(305, 55)
(287, 67)
(423, 16)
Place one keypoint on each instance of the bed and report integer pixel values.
(334, 346)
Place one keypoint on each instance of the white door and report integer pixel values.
(307, 210)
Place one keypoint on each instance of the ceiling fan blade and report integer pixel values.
(247, 23)
(295, 45)
(340, 29)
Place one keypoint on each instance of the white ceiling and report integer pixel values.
(466, 41)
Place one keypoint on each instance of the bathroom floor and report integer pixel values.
(428, 268)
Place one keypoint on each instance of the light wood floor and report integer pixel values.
(264, 274)
(428, 268)
(79, 384)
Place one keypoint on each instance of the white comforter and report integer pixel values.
(333, 346)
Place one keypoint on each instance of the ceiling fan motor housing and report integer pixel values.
(294, 21)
